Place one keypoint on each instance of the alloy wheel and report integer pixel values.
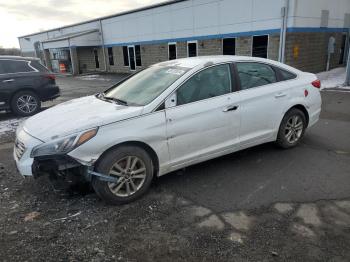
(27, 104)
(131, 173)
(294, 129)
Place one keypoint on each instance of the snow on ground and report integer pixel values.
(93, 77)
(334, 78)
(10, 125)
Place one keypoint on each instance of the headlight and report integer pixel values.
(63, 145)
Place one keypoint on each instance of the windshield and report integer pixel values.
(146, 85)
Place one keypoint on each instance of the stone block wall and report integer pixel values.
(305, 51)
(308, 51)
(244, 46)
(86, 59)
(273, 48)
(209, 47)
(151, 54)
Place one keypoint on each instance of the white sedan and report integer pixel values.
(171, 115)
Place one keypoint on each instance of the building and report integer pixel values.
(302, 33)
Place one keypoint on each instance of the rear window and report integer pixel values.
(15, 66)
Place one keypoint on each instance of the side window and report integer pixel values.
(16, 66)
(211, 82)
(285, 75)
(255, 74)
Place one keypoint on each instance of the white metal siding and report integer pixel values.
(308, 12)
(195, 18)
(201, 18)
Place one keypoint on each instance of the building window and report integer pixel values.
(110, 56)
(126, 56)
(192, 49)
(97, 63)
(138, 55)
(172, 51)
(260, 44)
(229, 46)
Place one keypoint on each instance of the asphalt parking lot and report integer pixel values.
(260, 204)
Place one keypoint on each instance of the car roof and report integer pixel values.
(201, 61)
(13, 57)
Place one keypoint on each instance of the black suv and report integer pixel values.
(24, 84)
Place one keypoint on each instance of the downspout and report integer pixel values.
(103, 46)
(72, 58)
(283, 32)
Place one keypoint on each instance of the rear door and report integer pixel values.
(205, 121)
(3, 95)
(8, 80)
(16, 75)
(263, 99)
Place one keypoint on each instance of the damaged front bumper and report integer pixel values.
(65, 166)
(60, 166)
(55, 166)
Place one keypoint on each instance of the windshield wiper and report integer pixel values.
(119, 101)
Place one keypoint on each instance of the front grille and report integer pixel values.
(19, 149)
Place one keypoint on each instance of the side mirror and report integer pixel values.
(171, 101)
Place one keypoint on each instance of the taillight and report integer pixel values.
(316, 83)
(51, 77)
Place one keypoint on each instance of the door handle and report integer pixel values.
(8, 80)
(230, 108)
(279, 95)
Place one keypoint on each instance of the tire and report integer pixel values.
(292, 129)
(25, 103)
(113, 163)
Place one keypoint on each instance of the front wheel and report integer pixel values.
(292, 128)
(133, 168)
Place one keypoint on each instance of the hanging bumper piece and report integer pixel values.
(101, 177)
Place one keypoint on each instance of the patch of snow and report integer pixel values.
(334, 78)
(93, 77)
(10, 125)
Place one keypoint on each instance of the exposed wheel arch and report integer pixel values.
(142, 145)
(23, 90)
(303, 109)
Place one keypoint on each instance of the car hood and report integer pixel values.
(77, 115)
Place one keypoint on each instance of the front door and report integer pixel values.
(131, 50)
(205, 121)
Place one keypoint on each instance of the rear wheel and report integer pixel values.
(292, 128)
(25, 103)
(133, 168)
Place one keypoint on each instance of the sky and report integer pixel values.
(21, 17)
